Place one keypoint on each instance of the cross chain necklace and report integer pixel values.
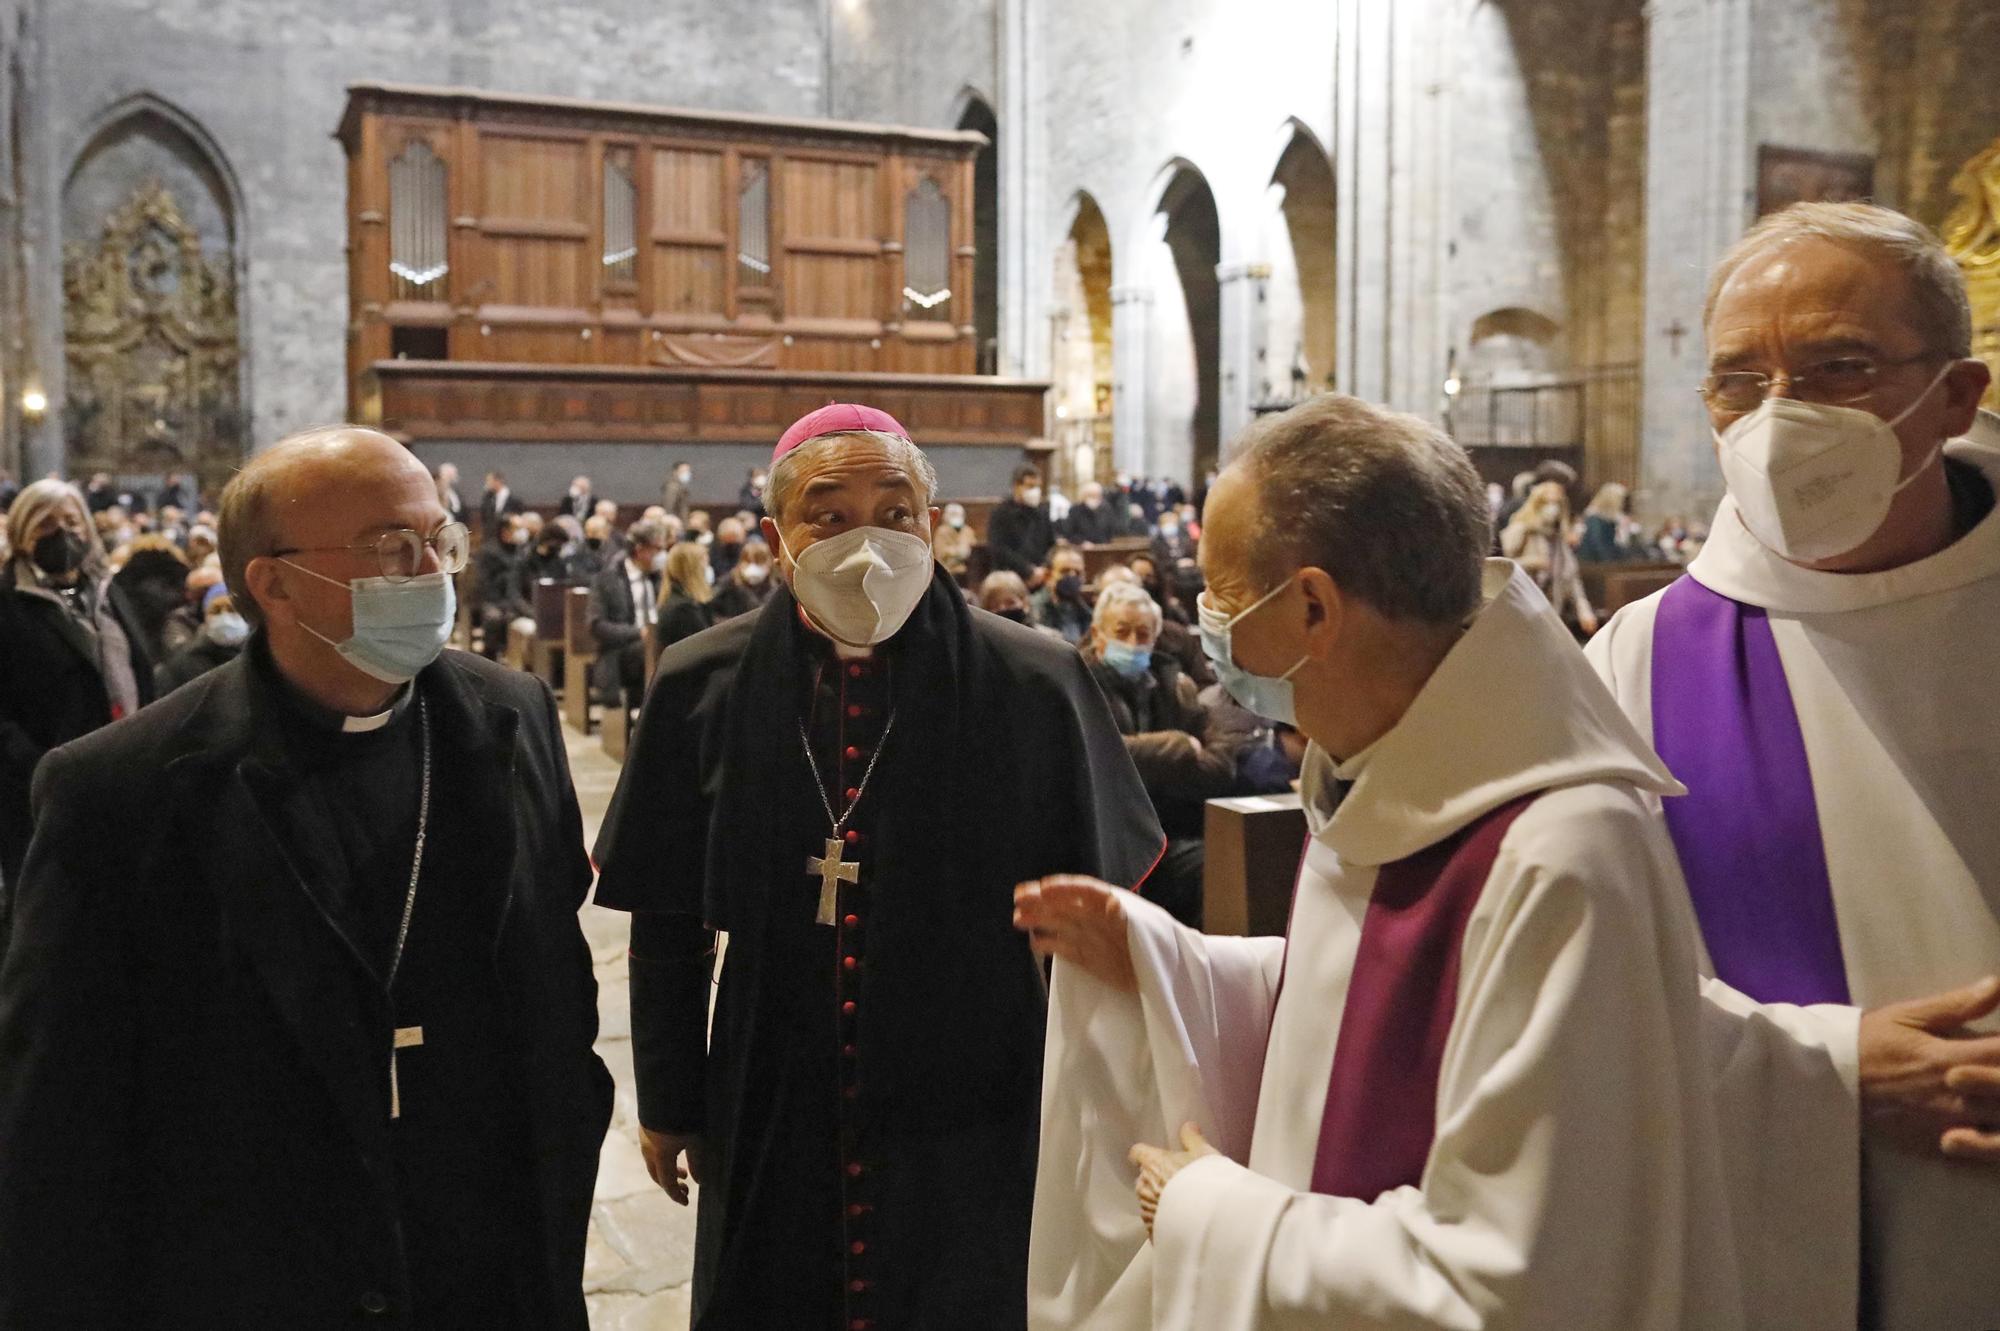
(406, 1037)
(830, 869)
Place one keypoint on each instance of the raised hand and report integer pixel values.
(1081, 921)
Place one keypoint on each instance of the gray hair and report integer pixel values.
(1121, 593)
(648, 533)
(32, 507)
(788, 471)
(1384, 503)
(1936, 286)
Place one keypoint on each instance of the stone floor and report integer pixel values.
(641, 1252)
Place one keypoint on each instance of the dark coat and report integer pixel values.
(191, 662)
(714, 817)
(610, 612)
(1019, 537)
(496, 581)
(194, 1126)
(1093, 526)
(51, 691)
(1158, 713)
(681, 616)
(489, 513)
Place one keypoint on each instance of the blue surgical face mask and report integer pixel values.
(228, 629)
(1127, 660)
(399, 627)
(1261, 694)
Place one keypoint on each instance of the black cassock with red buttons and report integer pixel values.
(868, 1097)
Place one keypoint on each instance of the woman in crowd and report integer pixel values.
(1609, 533)
(748, 587)
(953, 540)
(223, 633)
(1537, 538)
(72, 659)
(685, 595)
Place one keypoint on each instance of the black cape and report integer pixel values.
(1003, 765)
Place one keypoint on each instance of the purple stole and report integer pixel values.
(1747, 831)
(1381, 1102)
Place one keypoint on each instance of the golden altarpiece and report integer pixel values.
(150, 338)
(1972, 234)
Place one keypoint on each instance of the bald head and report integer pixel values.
(321, 489)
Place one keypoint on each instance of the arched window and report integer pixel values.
(927, 252)
(417, 222)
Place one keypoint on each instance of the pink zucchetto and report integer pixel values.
(837, 418)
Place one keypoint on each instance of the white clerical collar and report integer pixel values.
(1737, 564)
(362, 725)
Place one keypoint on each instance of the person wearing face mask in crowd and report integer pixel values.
(751, 497)
(1182, 760)
(1480, 1095)
(726, 550)
(499, 596)
(592, 555)
(184, 625)
(317, 1012)
(686, 592)
(1091, 521)
(223, 633)
(1173, 547)
(1018, 531)
(623, 607)
(553, 554)
(677, 494)
(1061, 604)
(953, 540)
(748, 587)
(819, 780)
(1822, 680)
(71, 647)
(152, 581)
(1005, 595)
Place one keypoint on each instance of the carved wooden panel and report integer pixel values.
(617, 235)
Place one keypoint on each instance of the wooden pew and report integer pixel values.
(545, 652)
(579, 655)
(1252, 849)
(1611, 587)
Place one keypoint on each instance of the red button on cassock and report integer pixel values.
(853, 794)
(850, 963)
(855, 672)
(853, 753)
(848, 1007)
(848, 1049)
(857, 1287)
(855, 709)
(857, 1247)
(852, 921)
(854, 1210)
(860, 1324)
(853, 837)
(854, 1171)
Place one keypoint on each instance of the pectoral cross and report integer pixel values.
(407, 1037)
(832, 873)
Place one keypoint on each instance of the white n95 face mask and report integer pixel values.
(1813, 481)
(861, 586)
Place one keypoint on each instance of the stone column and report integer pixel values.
(1241, 295)
(1131, 316)
(1023, 301)
(1698, 200)
(43, 364)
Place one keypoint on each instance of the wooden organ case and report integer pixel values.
(536, 269)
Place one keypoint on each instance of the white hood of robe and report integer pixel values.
(1543, 718)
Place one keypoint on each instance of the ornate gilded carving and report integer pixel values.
(151, 343)
(1972, 234)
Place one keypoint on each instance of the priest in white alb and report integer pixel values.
(1469, 1088)
(1826, 682)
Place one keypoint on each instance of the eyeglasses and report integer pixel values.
(1834, 382)
(401, 553)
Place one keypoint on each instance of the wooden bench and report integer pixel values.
(1252, 846)
(547, 650)
(579, 656)
(1611, 587)
(619, 720)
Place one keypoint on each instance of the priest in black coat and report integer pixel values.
(849, 783)
(296, 1015)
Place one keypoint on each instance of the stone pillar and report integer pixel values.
(1363, 89)
(1131, 316)
(1241, 295)
(42, 365)
(1698, 200)
(1024, 348)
